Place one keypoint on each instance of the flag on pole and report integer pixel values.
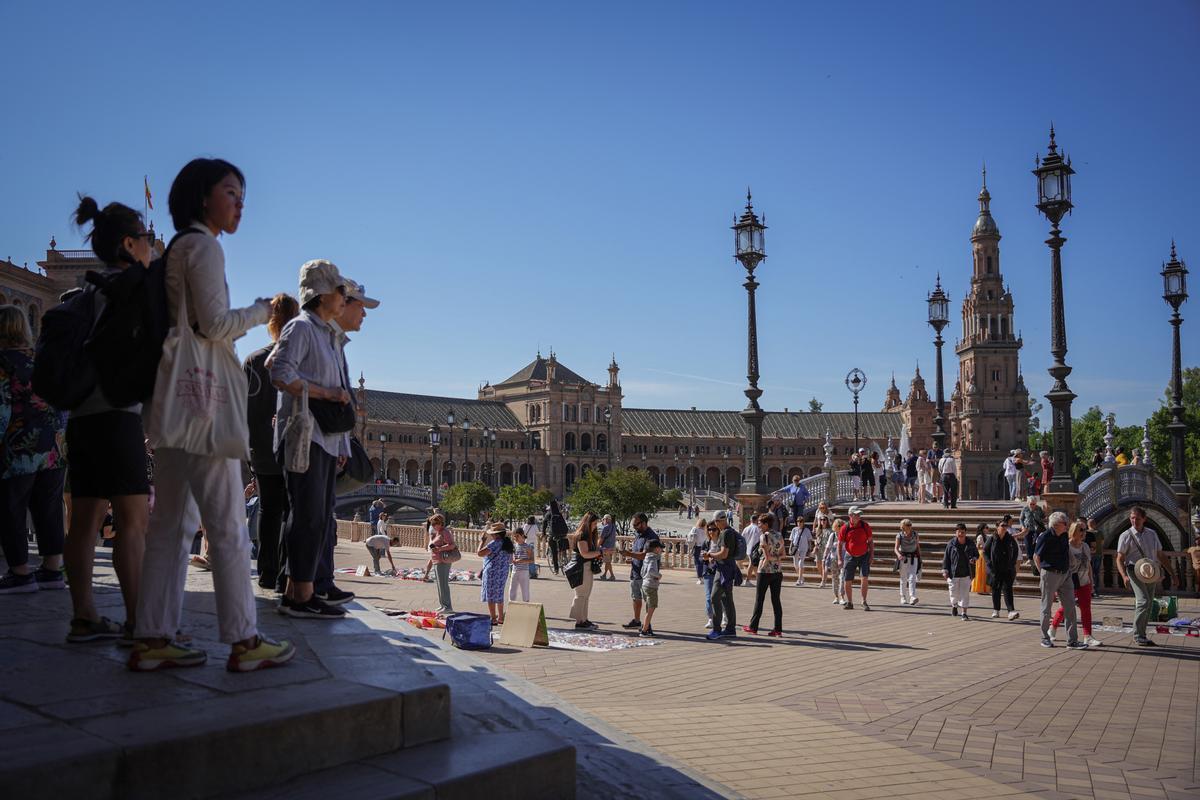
(146, 183)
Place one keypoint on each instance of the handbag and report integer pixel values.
(297, 434)
(332, 416)
(573, 571)
(199, 403)
(358, 470)
(451, 556)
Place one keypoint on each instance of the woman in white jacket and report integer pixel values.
(206, 200)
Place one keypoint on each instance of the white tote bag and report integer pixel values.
(200, 393)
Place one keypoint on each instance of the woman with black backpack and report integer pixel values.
(106, 448)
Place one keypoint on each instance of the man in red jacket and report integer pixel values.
(858, 542)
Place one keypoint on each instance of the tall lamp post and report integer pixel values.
(1174, 275)
(856, 381)
(493, 478)
(608, 442)
(450, 434)
(485, 471)
(466, 437)
(750, 250)
(435, 439)
(939, 318)
(1054, 200)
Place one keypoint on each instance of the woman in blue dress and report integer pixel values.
(496, 549)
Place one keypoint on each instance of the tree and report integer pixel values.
(1087, 436)
(467, 500)
(815, 406)
(518, 503)
(543, 497)
(621, 493)
(672, 498)
(1160, 436)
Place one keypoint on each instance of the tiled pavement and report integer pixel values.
(897, 702)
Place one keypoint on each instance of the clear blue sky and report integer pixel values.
(509, 176)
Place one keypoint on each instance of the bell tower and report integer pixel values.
(993, 406)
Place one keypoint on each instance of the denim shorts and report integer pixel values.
(635, 588)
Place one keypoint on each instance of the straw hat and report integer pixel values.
(1148, 571)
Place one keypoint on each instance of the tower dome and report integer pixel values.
(985, 225)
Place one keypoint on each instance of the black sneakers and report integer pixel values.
(633, 623)
(334, 596)
(312, 608)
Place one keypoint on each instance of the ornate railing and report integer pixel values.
(1112, 487)
(391, 490)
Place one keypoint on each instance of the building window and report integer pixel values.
(996, 375)
(989, 272)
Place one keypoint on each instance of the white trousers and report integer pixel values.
(909, 574)
(960, 592)
(185, 483)
(520, 578)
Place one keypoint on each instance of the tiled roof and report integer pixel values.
(791, 425)
(424, 409)
(536, 371)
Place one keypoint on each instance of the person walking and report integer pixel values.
(866, 469)
(584, 541)
(206, 196)
(924, 473)
(32, 471)
(797, 498)
(262, 401)
(496, 549)
(698, 539)
(908, 554)
(712, 533)
(1033, 524)
(801, 541)
(948, 469)
(722, 556)
(832, 559)
(1010, 474)
(379, 544)
(979, 584)
(556, 531)
(1138, 544)
(958, 563)
(856, 482)
(645, 535)
(858, 542)
(770, 570)
(1001, 554)
(441, 548)
(608, 546)
(1081, 578)
(1052, 556)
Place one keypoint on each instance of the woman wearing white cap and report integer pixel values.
(206, 197)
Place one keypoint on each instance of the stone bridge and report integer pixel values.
(394, 496)
(1108, 494)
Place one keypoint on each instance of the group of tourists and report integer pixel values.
(288, 410)
(926, 476)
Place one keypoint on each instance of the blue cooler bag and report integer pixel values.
(469, 631)
(533, 571)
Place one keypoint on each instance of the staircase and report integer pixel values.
(935, 526)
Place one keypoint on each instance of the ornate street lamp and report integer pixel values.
(450, 433)
(493, 478)
(608, 442)
(1174, 275)
(939, 318)
(1054, 200)
(750, 250)
(856, 381)
(466, 437)
(435, 439)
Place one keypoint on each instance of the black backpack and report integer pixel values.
(63, 373)
(126, 344)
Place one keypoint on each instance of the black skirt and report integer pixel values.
(106, 455)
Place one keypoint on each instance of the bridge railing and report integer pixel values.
(391, 490)
(1112, 487)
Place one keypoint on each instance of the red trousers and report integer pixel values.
(1083, 604)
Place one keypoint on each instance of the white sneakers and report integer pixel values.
(995, 614)
(1090, 642)
(1013, 614)
(798, 583)
(708, 623)
(699, 581)
(908, 602)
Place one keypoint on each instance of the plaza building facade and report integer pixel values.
(551, 426)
